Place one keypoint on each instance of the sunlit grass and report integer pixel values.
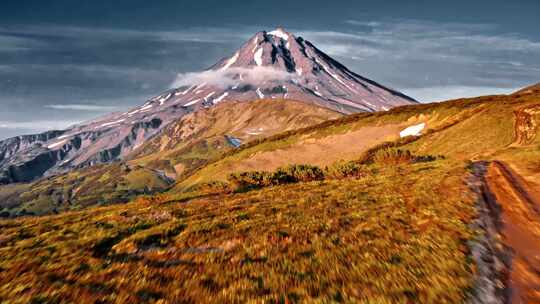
(389, 236)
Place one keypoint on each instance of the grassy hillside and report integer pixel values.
(97, 185)
(393, 235)
(182, 147)
(199, 137)
(463, 129)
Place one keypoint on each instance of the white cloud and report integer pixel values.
(433, 60)
(233, 76)
(38, 125)
(82, 107)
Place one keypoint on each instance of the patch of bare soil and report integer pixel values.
(321, 151)
(526, 124)
(519, 227)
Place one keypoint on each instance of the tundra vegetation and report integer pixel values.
(390, 224)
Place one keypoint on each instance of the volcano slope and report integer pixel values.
(392, 221)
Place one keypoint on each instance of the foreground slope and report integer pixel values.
(393, 235)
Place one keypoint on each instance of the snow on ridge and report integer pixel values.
(255, 44)
(258, 56)
(111, 123)
(133, 112)
(57, 144)
(163, 99)
(220, 98)
(280, 34)
(413, 130)
(261, 95)
(189, 89)
(209, 95)
(146, 107)
(336, 77)
(231, 61)
(191, 102)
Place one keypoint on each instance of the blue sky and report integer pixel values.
(62, 62)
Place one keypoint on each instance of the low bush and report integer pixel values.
(393, 156)
(244, 181)
(250, 180)
(389, 154)
(212, 187)
(297, 173)
(343, 170)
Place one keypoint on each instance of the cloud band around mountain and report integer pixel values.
(233, 76)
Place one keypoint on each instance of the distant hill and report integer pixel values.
(530, 89)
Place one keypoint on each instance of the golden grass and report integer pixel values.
(391, 236)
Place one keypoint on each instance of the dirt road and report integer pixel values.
(520, 229)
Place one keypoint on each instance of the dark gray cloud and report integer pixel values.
(59, 68)
(435, 61)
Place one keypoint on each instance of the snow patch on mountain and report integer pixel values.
(231, 61)
(258, 56)
(112, 123)
(220, 98)
(209, 95)
(163, 99)
(56, 145)
(191, 103)
(280, 33)
(413, 130)
(259, 93)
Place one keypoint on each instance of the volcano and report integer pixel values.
(270, 65)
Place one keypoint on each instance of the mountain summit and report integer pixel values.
(271, 65)
(277, 64)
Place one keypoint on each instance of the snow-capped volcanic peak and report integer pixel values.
(271, 61)
(280, 32)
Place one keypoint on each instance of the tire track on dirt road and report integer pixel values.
(519, 219)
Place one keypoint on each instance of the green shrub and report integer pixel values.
(244, 181)
(250, 180)
(393, 156)
(343, 170)
(297, 173)
(212, 187)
